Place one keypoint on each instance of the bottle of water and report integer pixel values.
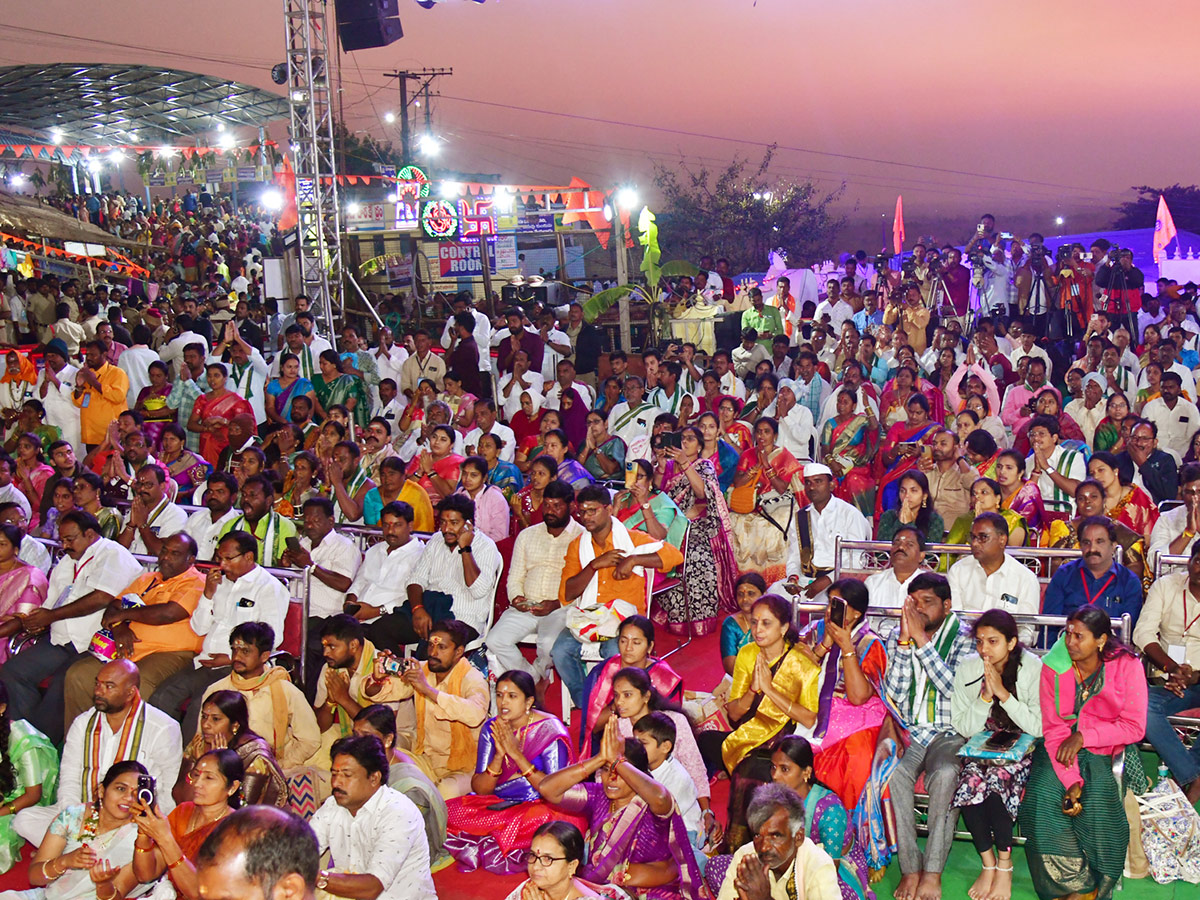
(1163, 772)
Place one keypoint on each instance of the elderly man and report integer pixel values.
(1145, 465)
(521, 379)
(924, 651)
(455, 577)
(55, 389)
(633, 419)
(156, 634)
(120, 726)
(991, 579)
(92, 574)
(810, 559)
(606, 578)
(152, 516)
(486, 423)
(780, 863)
(374, 834)
(889, 588)
(1175, 531)
(533, 579)
(797, 431)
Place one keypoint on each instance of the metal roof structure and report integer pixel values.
(103, 103)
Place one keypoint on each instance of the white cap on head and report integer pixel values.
(813, 469)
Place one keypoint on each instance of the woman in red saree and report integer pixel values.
(1125, 503)
(529, 448)
(895, 459)
(436, 470)
(518, 747)
(1047, 404)
(214, 411)
(893, 402)
(734, 431)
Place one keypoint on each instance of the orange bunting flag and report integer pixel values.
(898, 227)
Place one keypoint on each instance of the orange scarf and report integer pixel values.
(28, 371)
(462, 744)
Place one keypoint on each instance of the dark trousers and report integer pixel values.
(179, 696)
(393, 631)
(990, 824)
(314, 657)
(22, 677)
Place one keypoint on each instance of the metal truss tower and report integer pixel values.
(311, 52)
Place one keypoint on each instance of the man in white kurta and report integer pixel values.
(829, 518)
(120, 727)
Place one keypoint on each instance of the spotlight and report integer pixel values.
(279, 73)
(428, 145)
(272, 200)
(627, 198)
(226, 141)
(451, 189)
(352, 208)
(389, 117)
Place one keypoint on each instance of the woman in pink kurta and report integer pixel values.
(492, 514)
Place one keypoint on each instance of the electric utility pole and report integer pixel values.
(423, 78)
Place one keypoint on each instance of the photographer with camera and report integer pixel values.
(956, 286)
(1075, 275)
(1120, 284)
(997, 294)
(1037, 292)
(909, 314)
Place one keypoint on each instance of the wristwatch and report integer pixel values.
(466, 549)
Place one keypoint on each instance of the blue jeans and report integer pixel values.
(568, 662)
(1183, 763)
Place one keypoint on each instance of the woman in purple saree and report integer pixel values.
(518, 748)
(637, 838)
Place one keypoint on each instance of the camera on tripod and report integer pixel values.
(882, 258)
(1064, 254)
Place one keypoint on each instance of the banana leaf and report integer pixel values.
(648, 238)
(596, 305)
(678, 267)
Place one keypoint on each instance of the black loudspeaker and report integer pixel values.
(368, 23)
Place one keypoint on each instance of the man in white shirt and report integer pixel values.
(374, 834)
(566, 379)
(238, 591)
(669, 396)
(534, 577)
(421, 365)
(455, 577)
(94, 572)
(747, 355)
(1028, 347)
(97, 739)
(991, 579)
(332, 560)
(731, 385)
(205, 525)
(889, 588)
(246, 371)
(172, 354)
(1176, 417)
(517, 382)
(135, 363)
(389, 360)
(56, 388)
(558, 344)
(152, 516)
(485, 423)
(633, 419)
(818, 526)
(1174, 534)
(797, 433)
(380, 586)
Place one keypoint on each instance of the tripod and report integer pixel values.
(1112, 305)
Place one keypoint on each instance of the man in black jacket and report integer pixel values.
(1157, 468)
(587, 341)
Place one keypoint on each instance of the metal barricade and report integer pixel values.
(874, 556)
(1167, 564)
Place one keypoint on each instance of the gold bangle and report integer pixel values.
(177, 863)
(901, 643)
(532, 768)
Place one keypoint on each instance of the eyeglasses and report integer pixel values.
(532, 858)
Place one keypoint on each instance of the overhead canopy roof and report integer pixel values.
(27, 216)
(102, 103)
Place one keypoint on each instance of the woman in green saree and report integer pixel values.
(28, 777)
(333, 388)
(848, 443)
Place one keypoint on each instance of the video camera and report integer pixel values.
(1064, 254)
(882, 258)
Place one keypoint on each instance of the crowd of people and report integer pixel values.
(175, 459)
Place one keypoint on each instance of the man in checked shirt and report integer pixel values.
(923, 653)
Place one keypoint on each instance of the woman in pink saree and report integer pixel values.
(902, 450)
(214, 411)
(22, 586)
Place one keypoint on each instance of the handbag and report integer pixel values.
(1170, 833)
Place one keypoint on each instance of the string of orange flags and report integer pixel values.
(122, 266)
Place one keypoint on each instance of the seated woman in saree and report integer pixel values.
(460, 401)
(491, 508)
(225, 723)
(995, 690)
(555, 855)
(736, 433)
(32, 472)
(303, 483)
(504, 475)
(62, 501)
(635, 646)
(87, 853)
(22, 590)
(914, 506)
(334, 388)
(709, 568)
(281, 391)
(1021, 496)
(635, 697)
(848, 444)
(169, 845)
(529, 424)
(213, 412)
(971, 378)
(152, 404)
(987, 496)
(775, 687)
(1124, 503)
(518, 748)
(638, 841)
(720, 453)
(405, 776)
(1089, 501)
(645, 508)
(1047, 403)
(1109, 433)
(988, 420)
(901, 451)
(766, 490)
(1093, 699)
(602, 454)
(850, 710)
(980, 450)
(28, 774)
(527, 503)
(826, 820)
(905, 384)
(735, 630)
(557, 446)
(186, 469)
(438, 469)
